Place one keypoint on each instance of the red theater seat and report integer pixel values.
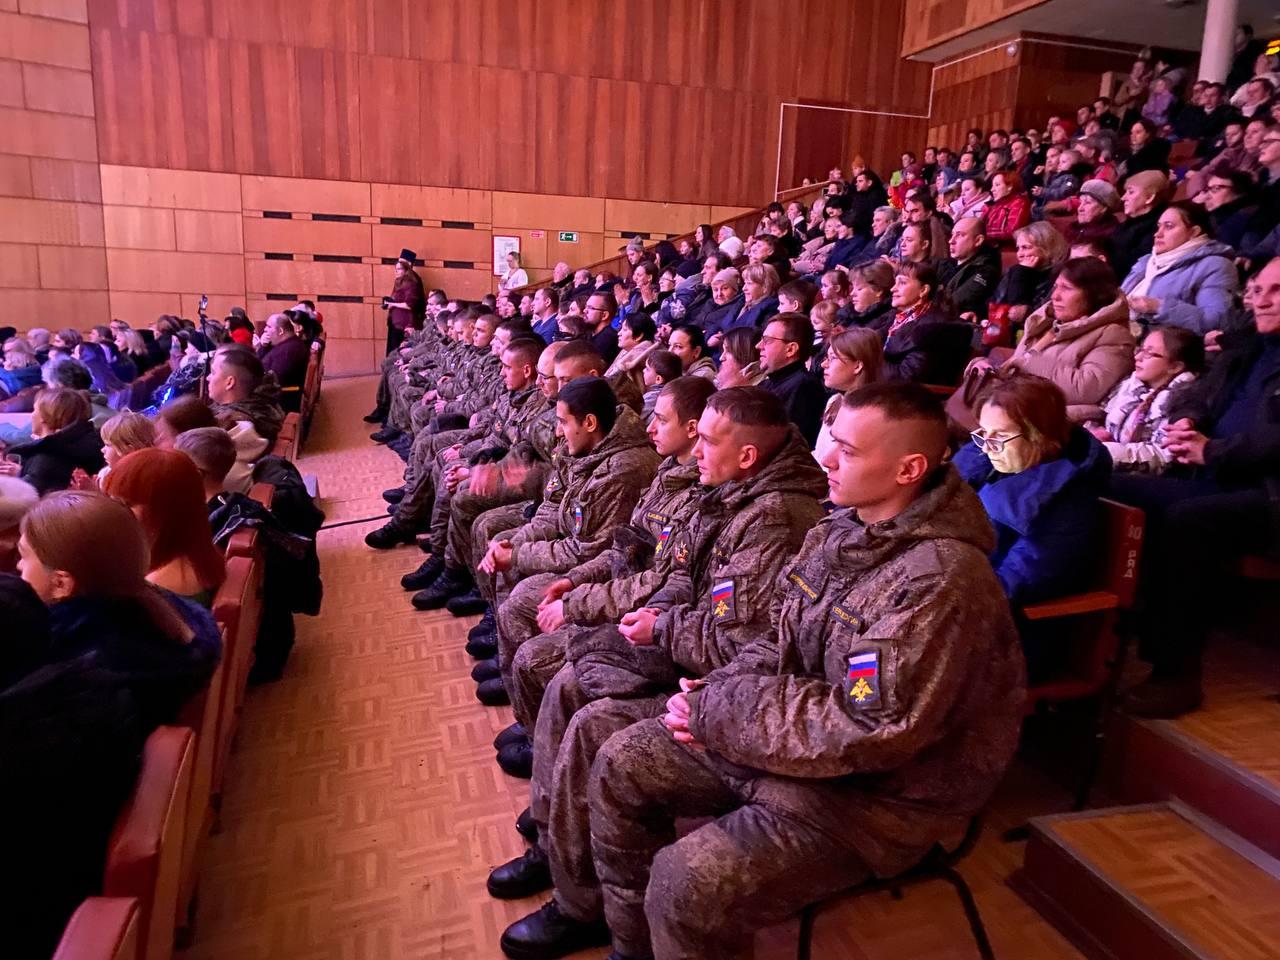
(144, 857)
(202, 714)
(238, 609)
(102, 928)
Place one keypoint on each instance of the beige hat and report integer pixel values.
(1103, 192)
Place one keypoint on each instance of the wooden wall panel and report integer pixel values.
(930, 22)
(351, 357)
(307, 278)
(203, 230)
(77, 11)
(306, 236)
(433, 243)
(547, 212)
(54, 308)
(39, 40)
(139, 228)
(11, 92)
(73, 268)
(41, 221)
(469, 284)
(40, 134)
(65, 180)
(430, 203)
(588, 249)
(19, 265)
(140, 309)
(15, 176)
(353, 321)
(154, 271)
(305, 196)
(647, 217)
(980, 91)
(57, 89)
(184, 189)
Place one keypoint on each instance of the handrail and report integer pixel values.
(747, 221)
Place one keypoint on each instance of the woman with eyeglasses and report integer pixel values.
(1039, 477)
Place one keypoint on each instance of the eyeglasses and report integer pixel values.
(1144, 352)
(765, 336)
(1218, 187)
(991, 444)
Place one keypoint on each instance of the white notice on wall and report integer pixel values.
(501, 247)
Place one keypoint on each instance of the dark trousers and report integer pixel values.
(395, 337)
(1195, 532)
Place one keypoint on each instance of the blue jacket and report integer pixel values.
(756, 315)
(13, 381)
(1197, 293)
(1047, 518)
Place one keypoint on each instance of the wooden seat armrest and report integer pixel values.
(1072, 606)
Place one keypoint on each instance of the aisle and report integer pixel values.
(364, 808)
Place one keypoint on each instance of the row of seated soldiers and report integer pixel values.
(696, 618)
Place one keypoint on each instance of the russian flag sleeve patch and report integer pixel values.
(722, 600)
(862, 681)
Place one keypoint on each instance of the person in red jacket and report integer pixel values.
(1009, 210)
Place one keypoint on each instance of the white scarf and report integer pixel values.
(1159, 263)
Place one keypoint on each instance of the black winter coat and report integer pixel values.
(802, 395)
(930, 349)
(47, 463)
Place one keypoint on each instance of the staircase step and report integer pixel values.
(1155, 882)
(1223, 761)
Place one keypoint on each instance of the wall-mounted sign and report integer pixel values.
(568, 236)
(501, 247)
(536, 234)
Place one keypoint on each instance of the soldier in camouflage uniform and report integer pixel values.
(760, 497)
(609, 463)
(871, 722)
(436, 301)
(619, 579)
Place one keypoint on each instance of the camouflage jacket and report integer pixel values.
(600, 490)
(623, 577)
(883, 703)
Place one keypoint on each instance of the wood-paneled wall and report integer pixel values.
(976, 91)
(265, 242)
(53, 265)
(676, 101)
(930, 22)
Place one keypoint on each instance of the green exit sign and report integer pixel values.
(568, 236)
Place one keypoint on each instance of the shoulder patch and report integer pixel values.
(658, 518)
(663, 537)
(805, 587)
(577, 519)
(722, 600)
(842, 614)
(553, 484)
(862, 680)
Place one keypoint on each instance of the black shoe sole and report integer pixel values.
(528, 951)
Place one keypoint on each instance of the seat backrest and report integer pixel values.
(102, 928)
(264, 493)
(1124, 526)
(201, 714)
(238, 609)
(243, 543)
(144, 857)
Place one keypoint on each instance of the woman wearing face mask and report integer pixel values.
(1189, 279)
(739, 360)
(1039, 478)
(1169, 359)
(854, 359)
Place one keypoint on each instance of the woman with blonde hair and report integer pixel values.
(854, 359)
(759, 296)
(63, 439)
(1041, 250)
(166, 493)
(86, 557)
(122, 435)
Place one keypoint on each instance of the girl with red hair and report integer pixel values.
(164, 490)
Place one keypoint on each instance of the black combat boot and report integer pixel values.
(492, 693)
(389, 535)
(453, 582)
(516, 759)
(486, 670)
(524, 876)
(468, 605)
(548, 934)
(424, 576)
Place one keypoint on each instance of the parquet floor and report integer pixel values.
(364, 808)
(1209, 894)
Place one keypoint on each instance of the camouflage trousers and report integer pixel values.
(536, 661)
(494, 524)
(702, 896)
(463, 510)
(518, 621)
(570, 729)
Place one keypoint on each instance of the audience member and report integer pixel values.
(1222, 434)
(63, 439)
(972, 271)
(1133, 431)
(86, 556)
(1095, 212)
(870, 304)
(923, 343)
(739, 360)
(213, 452)
(1149, 150)
(636, 336)
(1009, 210)
(1079, 340)
(854, 359)
(286, 355)
(244, 401)
(122, 435)
(1228, 198)
(179, 416)
(598, 313)
(1040, 250)
(1143, 202)
(1189, 279)
(16, 498)
(784, 347)
(21, 368)
(759, 296)
(660, 368)
(164, 490)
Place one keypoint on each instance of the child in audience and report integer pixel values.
(660, 368)
(122, 435)
(213, 452)
(85, 555)
(165, 492)
(1137, 411)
